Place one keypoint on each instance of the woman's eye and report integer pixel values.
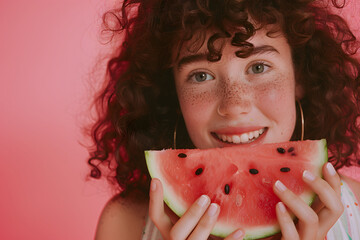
(201, 77)
(258, 68)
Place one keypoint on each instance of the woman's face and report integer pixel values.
(238, 101)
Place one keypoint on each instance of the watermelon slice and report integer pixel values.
(239, 179)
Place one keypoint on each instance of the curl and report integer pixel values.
(138, 107)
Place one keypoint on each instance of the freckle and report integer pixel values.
(273, 86)
(194, 97)
(235, 94)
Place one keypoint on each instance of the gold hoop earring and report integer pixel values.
(174, 135)
(302, 120)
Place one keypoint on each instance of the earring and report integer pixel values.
(302, 119)
(176, 124)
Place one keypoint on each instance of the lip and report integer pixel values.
(238, 131)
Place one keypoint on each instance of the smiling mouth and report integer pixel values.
(240, 138)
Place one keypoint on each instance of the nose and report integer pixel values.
(235, 100)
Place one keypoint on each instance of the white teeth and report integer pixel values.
(236, 139)
(251, 135)
(243, 138)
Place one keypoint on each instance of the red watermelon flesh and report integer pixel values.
(239, 179)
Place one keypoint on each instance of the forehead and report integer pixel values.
(265, 39)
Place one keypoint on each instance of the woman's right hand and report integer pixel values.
(197, 222)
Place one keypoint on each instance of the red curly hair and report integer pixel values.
(138, 107)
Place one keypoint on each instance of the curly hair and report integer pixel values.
(138, 106)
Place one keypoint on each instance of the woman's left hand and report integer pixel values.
(313, 222)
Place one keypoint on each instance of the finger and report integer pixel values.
(287, 226)
(308, 219)
(236, 235)
(329, 194)
(331, 176)
(206, 223)
(333, 179)
(187, 223)
(156, 208)
(317, 205)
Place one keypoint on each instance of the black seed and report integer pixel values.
(281, 150)
(198, 171)
(182, 155)
(291, 149)
(285, 169)
(253, 171)
(227, 189)
(293, 154)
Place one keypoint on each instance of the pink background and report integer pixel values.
(47, 52)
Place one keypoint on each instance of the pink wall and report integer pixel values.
(47, 49)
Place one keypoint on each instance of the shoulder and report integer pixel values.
(353, 184)
(121, 219)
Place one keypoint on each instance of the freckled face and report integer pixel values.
(238, 101)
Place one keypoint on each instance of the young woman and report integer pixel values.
(221, 73)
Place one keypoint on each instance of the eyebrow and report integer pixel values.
(203, 56)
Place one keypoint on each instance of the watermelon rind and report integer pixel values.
(174, 203)
(177, 206)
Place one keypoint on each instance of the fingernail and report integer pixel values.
(330, 169)
(202, 200)
(281, 207)
(308, 175)
(212, 209)
(153, 185)
(238, 234)
(280, 186)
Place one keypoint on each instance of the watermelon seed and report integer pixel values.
(198, 171)
(281, 150)
(182, 155)
(285, 169)
(227, 189)
(253, 171)
(291, 149)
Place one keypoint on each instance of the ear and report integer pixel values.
(299, 91)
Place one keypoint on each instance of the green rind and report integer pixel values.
(250, 235)
(176, 206)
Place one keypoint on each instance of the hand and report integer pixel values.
(314, 223)
(196, 223)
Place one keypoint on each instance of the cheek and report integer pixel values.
(195, 102)
(273, 95)
(195, 106)
(277, 102)
(195, 111)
